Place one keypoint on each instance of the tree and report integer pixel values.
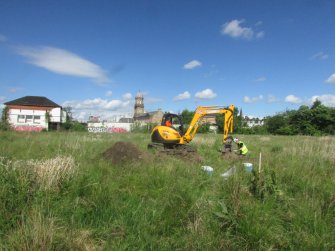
(274, 123)
(237, 123)
(69, 120)
(187, 116)
(316, 103)
(4, 123)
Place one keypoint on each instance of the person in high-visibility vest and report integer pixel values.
(243, 150)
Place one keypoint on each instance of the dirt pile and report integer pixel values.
(122, 152)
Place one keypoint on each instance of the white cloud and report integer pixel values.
(260, 79)
(104, 108)
(250, 100)
(205, 94)
(235, 30)
(127, 96)
(3, 38)
(2, 98)
(15, 89)
(64, 62)
(326, 99)
(260, 34)
(331, 79)
(109, 93)
(271, 99)
(192, 64)
(152, 100)
(320, 55)
(97, 103)
(293, 99)
(182, 96)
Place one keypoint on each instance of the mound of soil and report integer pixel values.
(124, 152)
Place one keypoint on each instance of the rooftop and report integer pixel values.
(33, 101)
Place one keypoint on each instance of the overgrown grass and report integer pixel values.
(58, 193)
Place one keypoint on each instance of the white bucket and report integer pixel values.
(248, 167)
(208, 169)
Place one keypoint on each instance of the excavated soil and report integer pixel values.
(122, 152)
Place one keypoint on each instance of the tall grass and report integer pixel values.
(58, 193)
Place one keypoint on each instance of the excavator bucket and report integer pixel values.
(227, 145)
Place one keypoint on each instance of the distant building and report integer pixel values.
(126, 120)
(210, 119)
(95, 119)
(145, 117)
(251, 122)
(35, 113)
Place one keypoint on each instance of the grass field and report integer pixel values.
(58, 193)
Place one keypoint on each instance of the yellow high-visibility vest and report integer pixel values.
(243, 149)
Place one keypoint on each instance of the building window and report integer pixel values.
(37, 119)
(29, 118)
(21, 119)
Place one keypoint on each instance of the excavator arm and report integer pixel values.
(206, 110)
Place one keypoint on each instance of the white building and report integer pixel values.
(251, 122)
(34, 113)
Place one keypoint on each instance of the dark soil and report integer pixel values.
(122, 152)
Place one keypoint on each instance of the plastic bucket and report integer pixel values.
(208, 169)
(248, 167)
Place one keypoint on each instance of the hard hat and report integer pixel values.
(235, 139)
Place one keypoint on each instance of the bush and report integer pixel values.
(4, 124)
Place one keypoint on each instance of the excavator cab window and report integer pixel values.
(174, 121)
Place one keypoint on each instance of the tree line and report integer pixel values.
(315, 120)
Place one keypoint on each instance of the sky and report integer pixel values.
(263, 56)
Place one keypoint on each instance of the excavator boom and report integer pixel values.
(202, 111)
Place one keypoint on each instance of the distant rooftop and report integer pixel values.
(33, 101)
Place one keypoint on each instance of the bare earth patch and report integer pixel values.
(124, 152)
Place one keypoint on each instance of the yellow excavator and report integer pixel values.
(172, 139)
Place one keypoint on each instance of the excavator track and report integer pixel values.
(172, 149)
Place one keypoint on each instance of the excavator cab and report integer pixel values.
(174, 121)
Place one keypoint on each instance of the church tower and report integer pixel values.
(139, 105)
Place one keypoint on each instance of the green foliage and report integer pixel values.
(47, 117)
(187, 116)
(4, 124)
(204, 128)
(74, 126)
(78, 127)
(259, 130)
(316, 120)
(237, 122)
(71, 124)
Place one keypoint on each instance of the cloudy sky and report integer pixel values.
(262, 56)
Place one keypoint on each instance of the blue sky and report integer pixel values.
(262, 56)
